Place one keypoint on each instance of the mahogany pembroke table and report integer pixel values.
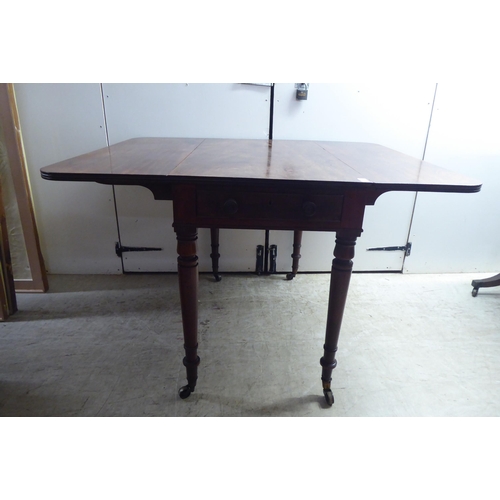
(261, 184)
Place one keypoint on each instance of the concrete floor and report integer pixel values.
(411, 345)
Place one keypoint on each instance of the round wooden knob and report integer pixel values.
(309, 208)
(230, 207)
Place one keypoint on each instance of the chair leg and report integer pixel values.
(297, 243)
(214, 235)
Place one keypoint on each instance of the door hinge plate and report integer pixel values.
(406, 249)
(120, 249)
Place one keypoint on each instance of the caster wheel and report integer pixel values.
(184, 392)
(474, 292)
(290, 276)
(328, 396)
(217, 277)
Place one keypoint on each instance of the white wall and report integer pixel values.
(76, 221)
(393, 114)
(450, 233)
(459, 232)
(228, 110)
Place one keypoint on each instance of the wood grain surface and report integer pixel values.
(198, 160)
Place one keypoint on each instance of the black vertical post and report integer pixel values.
(271, 122)
(271, 112)
(266, 252)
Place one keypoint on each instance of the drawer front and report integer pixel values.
(267, 206)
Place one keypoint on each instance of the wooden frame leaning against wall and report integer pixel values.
(13, 149)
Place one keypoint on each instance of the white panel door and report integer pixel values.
(76, 220)
(181, 110)
(459, 232)
(394, 115)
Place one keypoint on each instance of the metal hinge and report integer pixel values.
(259, 84)
(119, 249)
(406, 249)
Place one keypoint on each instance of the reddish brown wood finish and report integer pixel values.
(284, 185)
(308, 164)
(187, 265)
(339, 285)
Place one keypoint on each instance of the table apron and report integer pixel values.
(257, 208)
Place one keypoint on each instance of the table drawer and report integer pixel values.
(241, 205)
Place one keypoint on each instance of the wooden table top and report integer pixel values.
(172, 160)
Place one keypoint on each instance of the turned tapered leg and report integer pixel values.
(187, 264)
(339, 285)
(214, 236)
(297, 243)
